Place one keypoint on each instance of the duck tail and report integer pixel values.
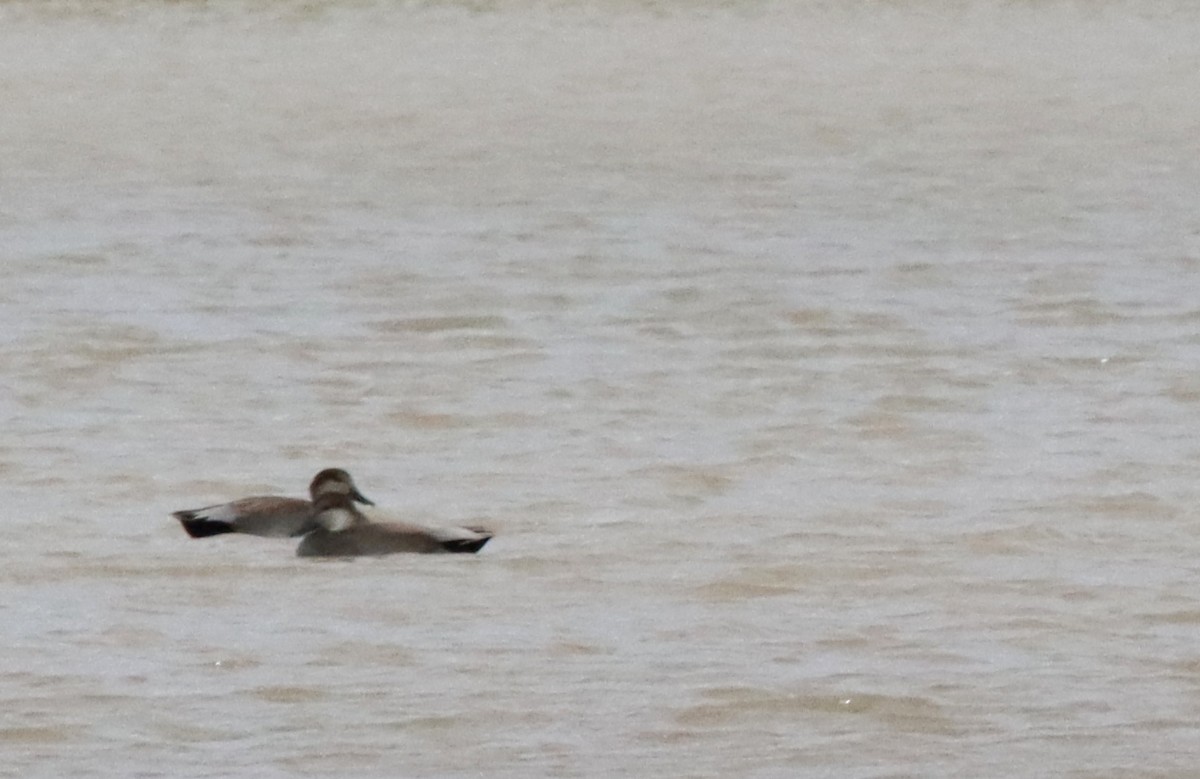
(468, 545)
(200, 527)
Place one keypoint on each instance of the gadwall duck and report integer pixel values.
(343, 531)
(270, 515)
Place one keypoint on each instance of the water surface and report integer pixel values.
(826, 370)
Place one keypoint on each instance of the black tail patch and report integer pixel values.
(465, 544)
(202, 528)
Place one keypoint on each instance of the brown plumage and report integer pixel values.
(269, 515)
(343, 531)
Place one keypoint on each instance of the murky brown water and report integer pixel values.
(827, 370)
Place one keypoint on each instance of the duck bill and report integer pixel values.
(354, 493)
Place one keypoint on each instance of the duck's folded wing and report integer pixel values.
(384, 538)
(460, 539)
(262, 515)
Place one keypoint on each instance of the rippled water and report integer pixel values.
(827, 371)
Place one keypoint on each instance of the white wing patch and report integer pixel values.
(454, 534)
(223, 512)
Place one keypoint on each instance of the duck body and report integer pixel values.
(261, 515)
(375, 539)
(269, 515)
(343, 531)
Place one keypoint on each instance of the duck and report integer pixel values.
(270, 515)
(344, 531)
